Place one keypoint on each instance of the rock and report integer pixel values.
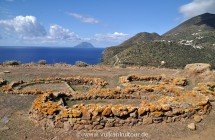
(121, 121)
(141, 111)
(169, 114)
(157, 119)
(118, 88)
(50, 123)
(197, 118)
(96, 119)
(119, 110)
(109, 124)
(107, 112)
(188, 114)
(180, 81)
(88, 127)
(133, 122)
(80, 127)
(75, 127)
(6, 71)
(139, 123)
(67, 126)
(123, 79)
(191, 126)
(11, 63)
(81, 64)
(197, 68)
(72, 121)
(165, 107)
(147, 120)
(86, 114)
(157, 114)
(84, 122)
(42, 62)
(95, 123)
(4, 128)
(5, 120)
(97, 111)
(50, 116)
(98, 127)
(133, 114)
(59, 124)
(76, 113)
(176, 118)
(103, 122)
(168, 120)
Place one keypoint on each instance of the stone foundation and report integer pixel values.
(164, 101)
(158, 99)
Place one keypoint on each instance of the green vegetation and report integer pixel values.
(191, 42)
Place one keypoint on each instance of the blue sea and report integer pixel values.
(51, 55)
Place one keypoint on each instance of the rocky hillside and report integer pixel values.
(198, 32)
(190, 42)
(139, 38)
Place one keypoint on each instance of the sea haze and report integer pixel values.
(51, 54)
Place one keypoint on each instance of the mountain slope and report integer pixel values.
(192, 41)
(175, 55)
(205, 21)
(138, 38)
(198, 31)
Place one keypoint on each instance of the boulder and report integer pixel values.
(67, 126)
(123, 79)
(197, 118)
(98, 110)
(134, 114)
(107, 112)
(180, 81)
(147, 120)
(141, 111)
(98, 127)
(76, 113)
(191, 126)
(157, 114)
(197, 68)
(4, 128)
(86, 115)
(6, 71)
(119, 110)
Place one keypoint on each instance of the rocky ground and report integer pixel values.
(14, 109)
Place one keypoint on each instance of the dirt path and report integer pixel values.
(117, 60)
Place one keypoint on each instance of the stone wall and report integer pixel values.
(159, 99)
(166, 101)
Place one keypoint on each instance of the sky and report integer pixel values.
(104, 23)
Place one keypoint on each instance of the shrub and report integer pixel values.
(42, 62)
(11, 63)
(81, 64)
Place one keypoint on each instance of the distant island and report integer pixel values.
(84, 45)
